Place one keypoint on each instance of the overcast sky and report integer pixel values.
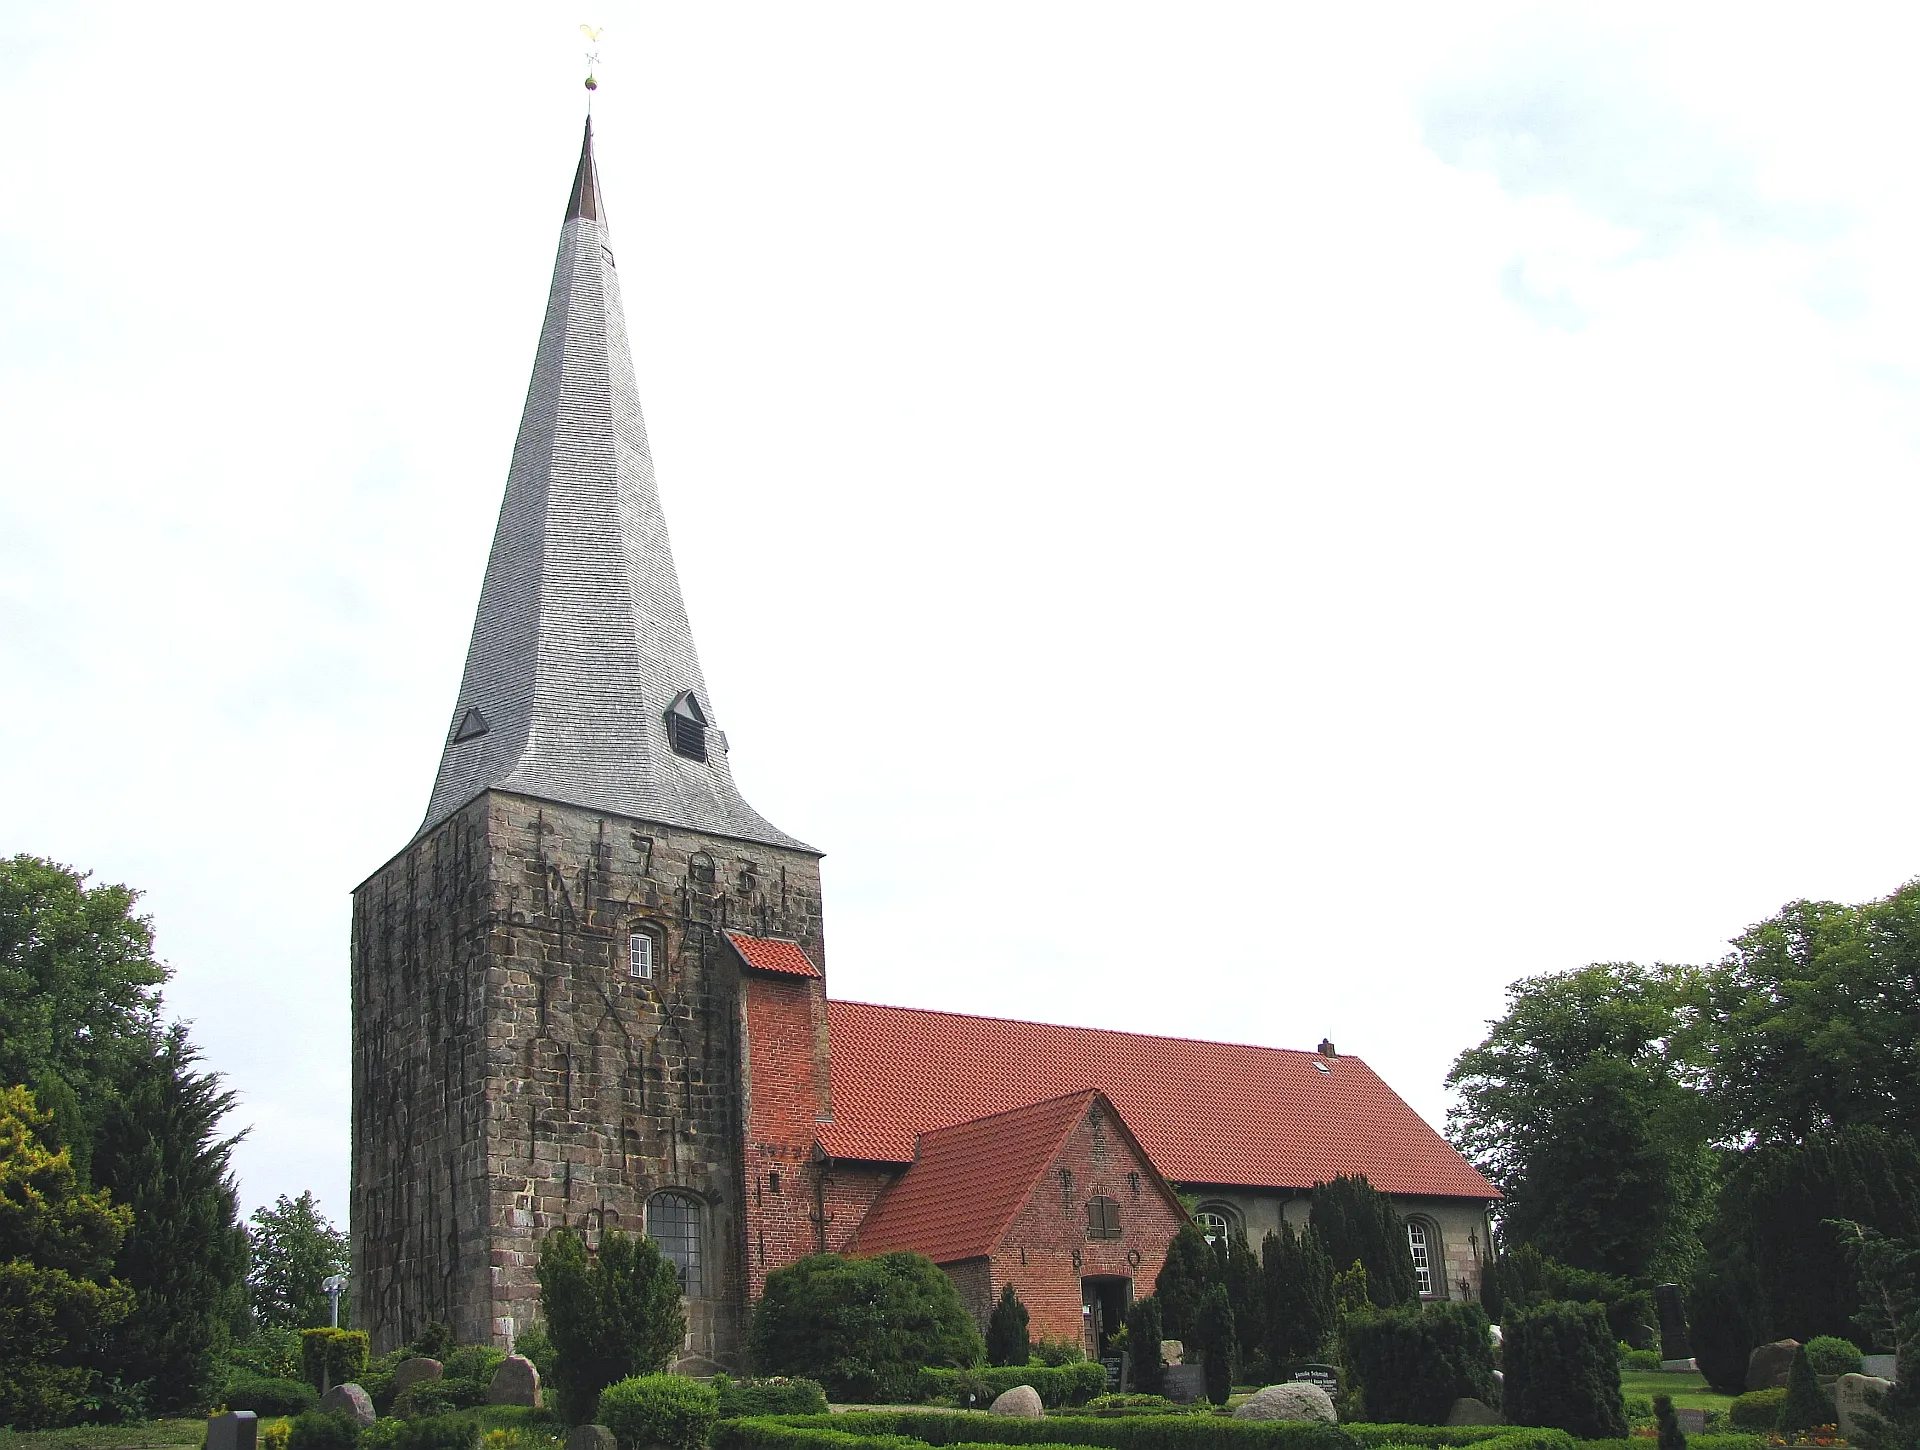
(1233, 520)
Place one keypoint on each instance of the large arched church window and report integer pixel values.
(674, 1223)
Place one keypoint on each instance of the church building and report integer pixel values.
(591, 991)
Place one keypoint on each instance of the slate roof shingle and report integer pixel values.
(1205, 1112)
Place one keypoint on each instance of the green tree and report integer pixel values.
(1562, 1370)
(861, 1327)
(1671, 1436)
(159, 1150)
(1582, 1108)
(1007, 1342)
(1357, 1224)
(1184, 1276)
(1240, 1275)
(57, 1246)
(1296, 1282)
(1887, 1271)
(295, 1249)
(79, 998)
(1144, 1333)
(1214, 1334)
(611, 1316)
(1413, 1363)
(1807, 1405)
(1811, 1021)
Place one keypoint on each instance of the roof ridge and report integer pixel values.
(1108, 1031)
(1034, 1106)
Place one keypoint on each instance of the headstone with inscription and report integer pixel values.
(1184, 1383)
(1323, 1375)
(235, 1430)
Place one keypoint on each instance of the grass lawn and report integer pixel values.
(148, 1435)
(1689, 1391)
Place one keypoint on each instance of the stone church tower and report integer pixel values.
(563, 984)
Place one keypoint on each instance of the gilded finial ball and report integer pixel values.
(592, 84)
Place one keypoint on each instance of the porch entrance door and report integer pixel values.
(1104, 1300)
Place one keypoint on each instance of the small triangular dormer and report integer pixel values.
(687, 727)
(472, 725)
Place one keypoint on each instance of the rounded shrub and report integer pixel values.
(1831, 1355)
(776, 1396)
(315, 1431)
(1641, 1360)
(659, 1409)
(1563, 1371)
(272, 1396)
(1756, 1410)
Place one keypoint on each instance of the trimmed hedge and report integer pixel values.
(334, 1355)
(1412, 1364)
(776, 1396)
(317, 1431)
(910, 1429)
(1492, 1437)
(1757, 1409)
(439, 1432)
(1563, 1371)
(1831, 1355)
(272, 1396)
(1067, 1384)
(1694, 1442)
(659, 1409)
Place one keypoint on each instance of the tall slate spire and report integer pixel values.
(582, 683)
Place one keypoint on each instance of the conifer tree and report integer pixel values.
(1242, 1278)
(158, 1149)
(1143, 1344)
(1671, 1435)
(1296, 1280)
(1357, 1222)
(1007, 1342)
(1183, 1280)
(1214, 1333)
(1806, 1405)
(616, 1316)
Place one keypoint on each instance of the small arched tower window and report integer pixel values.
(674, 1223)
(1421, 1242)
(687, 727)
(1215, 1224)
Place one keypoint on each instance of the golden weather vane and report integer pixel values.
(593, 59)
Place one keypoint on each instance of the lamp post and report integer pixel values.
(335, 1287)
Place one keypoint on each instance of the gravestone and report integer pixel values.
(235, 1430)
(516, 1382)
(1473, 1412)
(1691, 1422)
(1295, 1400)
(1767, 1366)
(1022, 1402)
(1116, 1367)
(1323, 1375)
(1673, 1322)
(1184, 1383)
(417, 1370)
(349, 1399)
(1680, 1366)
(591, 1437)
(1850, 1398)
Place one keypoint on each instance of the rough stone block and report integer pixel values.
(1022, 1402)
(590, 1437)
(417, 1370)
(1473, 1412)
(1850, 1398)
(349, 1399)
(1767, 1366)
(1296, 1401)
(515, 1382)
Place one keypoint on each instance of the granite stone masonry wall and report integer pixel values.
(510, 1076)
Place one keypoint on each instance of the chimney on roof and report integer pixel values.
(1326, 1048)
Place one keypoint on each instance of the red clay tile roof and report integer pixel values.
(1205, 1112)
(969, 1180)
(769, 954)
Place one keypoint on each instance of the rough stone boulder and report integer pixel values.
(1767, 1366)
(1473, 1412)
(349, 1399)
(1022, 1402)
(1288, 1402)
(590, 1437)
(417, 1370)
(1172, 1351)
(1850, 1398)
(516, 1382)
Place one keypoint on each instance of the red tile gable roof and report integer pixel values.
(969, 1180)
(772, 954)
(1204, 1112)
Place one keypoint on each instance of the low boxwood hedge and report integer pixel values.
(777, 1396)
(1066, 1384)
(1756, 1410)
(902, 1429)
(1694, 1442)
(272, 1396)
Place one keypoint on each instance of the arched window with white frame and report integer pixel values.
(1424, 1244)
(1216, 1222)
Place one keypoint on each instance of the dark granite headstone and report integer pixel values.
(1674, 1342)
(1185, 1383)
(235, 1430)
(1115, 1367)
(1691, 1422)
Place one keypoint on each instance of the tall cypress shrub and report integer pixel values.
(1242, 1280)
(1007, 1342)
(1214, 1332)
(1183, 1280)
(1413, 1363)
(1143, 1345)
(1296, 1293)
(1562, 1370)
(1358, 1223)
(609, 1319)
(1806, 1406)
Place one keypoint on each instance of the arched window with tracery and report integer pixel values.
(674, 1223)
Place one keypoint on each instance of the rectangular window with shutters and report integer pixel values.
(1103, 1218)
(640, 956)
